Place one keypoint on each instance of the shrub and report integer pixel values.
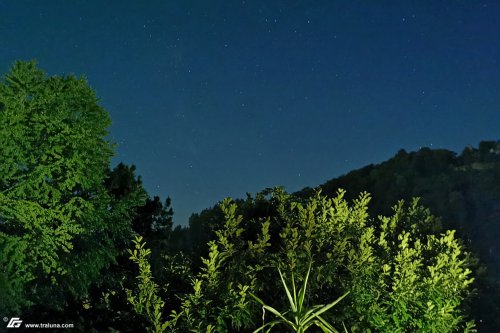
(401, 272)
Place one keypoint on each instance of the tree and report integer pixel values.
(59, 226)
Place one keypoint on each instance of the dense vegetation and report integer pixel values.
(60, 227)
(84, 243)
(464, 190)
(397, 273)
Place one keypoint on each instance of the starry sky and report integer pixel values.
(211, 99)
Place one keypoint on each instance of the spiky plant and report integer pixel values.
(298, 317)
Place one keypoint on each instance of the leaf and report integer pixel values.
(290, 298)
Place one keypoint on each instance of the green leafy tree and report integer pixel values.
(59, 226)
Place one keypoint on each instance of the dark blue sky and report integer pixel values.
(217, 98)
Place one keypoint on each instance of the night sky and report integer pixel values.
(211, 99)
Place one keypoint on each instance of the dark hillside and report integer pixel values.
(464, 190)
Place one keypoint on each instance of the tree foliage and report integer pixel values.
(59, 226)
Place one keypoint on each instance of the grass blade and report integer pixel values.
(290, 299)
(302, 292)
(278, 314)
(268, 325)
(261, 302)
(325, 308)
(325, 326)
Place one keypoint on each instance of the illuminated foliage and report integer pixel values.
(59, 227)
(401, 273)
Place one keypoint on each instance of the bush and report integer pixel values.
(402, 274)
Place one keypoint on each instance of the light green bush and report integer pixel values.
(402, 274)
